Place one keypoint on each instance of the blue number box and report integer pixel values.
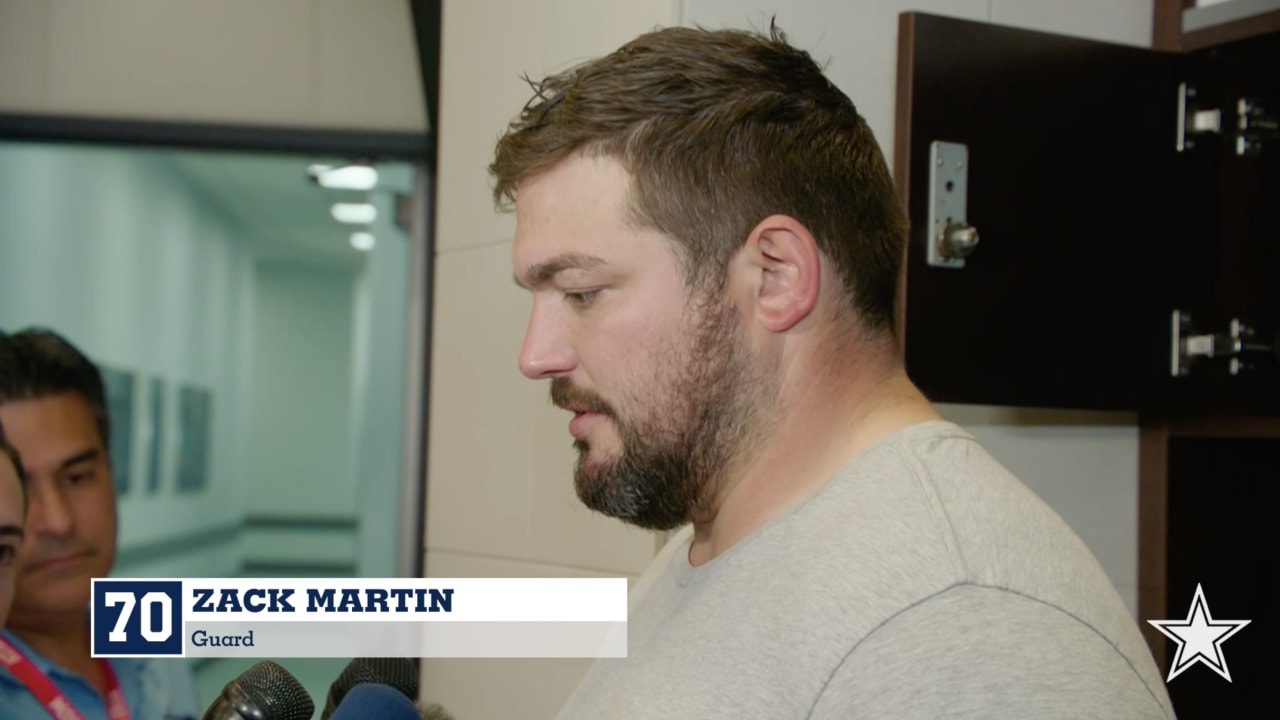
(139, 618)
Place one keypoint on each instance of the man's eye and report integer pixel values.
(7, 554)
(583, 298)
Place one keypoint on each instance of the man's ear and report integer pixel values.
(785, 267)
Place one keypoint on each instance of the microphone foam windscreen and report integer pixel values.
(277, 693)
(399, 673)
(366, 701)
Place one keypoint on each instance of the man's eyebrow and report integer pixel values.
(15, 530)
(90, 454)
(539, 274)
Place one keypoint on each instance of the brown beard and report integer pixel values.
(674, 459)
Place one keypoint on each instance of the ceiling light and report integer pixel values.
(363, 241)
(345, 177)
(354, 213)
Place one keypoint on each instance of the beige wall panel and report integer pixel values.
(236, 60)
(480, 473)
(306, 63)
(367, 61)
(24, 62)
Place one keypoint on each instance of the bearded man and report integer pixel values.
(712, 243)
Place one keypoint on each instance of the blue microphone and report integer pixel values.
(371, 701)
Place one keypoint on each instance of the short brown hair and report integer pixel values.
(38, 363)
(719, 130)
(10, 453)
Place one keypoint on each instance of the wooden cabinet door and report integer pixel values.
(1074, 187)
(1230, 275)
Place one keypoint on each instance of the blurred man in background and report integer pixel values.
(13, 510)
(53, 409)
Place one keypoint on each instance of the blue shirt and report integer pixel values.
(154, 689)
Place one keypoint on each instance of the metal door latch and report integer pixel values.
(951, 237)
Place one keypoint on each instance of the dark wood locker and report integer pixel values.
(1060, 303)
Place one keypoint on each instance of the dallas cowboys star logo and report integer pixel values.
(1199, 638)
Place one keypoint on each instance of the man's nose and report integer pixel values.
(545, 352)
(50, 512)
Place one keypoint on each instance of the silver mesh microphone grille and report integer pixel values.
(278, 694)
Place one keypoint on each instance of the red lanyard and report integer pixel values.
(55, 702)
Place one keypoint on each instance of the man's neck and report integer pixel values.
(62, 640)
(823, 426)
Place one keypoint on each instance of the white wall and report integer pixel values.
(309, 63)
(299, 419)
(116, 252)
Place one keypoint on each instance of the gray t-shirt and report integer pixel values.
(921, 581)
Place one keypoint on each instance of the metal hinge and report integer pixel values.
(1239, 345)
(1254, 126)
(1193, 119)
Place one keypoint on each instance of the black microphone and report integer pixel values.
(399, 673)
(372, 701)
(265, 691)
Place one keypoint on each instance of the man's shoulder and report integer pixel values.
(933, 485)
(1022, 654)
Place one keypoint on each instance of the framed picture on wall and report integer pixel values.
(118, 387)
(195, 407)
(153, 430)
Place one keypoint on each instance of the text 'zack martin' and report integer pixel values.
(328, 600)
